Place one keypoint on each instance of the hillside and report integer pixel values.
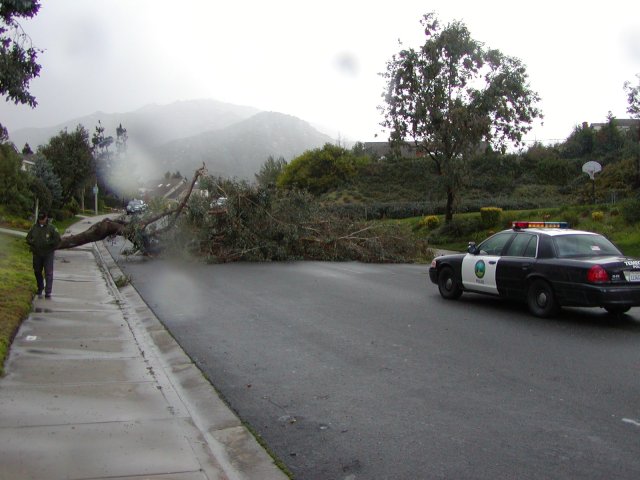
(232, 140)
(148, 126)
(240, 149)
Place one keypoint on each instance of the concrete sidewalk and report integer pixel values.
(96, 388)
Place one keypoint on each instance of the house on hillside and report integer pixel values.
(27, 164)
(170, 189)
(623, 124)
(166, 188)
(382, 150)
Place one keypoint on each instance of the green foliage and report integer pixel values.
(490, 216)
(580, 144)
(609, 141)
(460, 230)
(16, 289)
(321, 169)
(71, 158)
(17, 54)
(450, 95)
(46, 178)
(633, 97)
(259, 224)
(270, 171)
(122, 281)
(429, 222)
(597, 216)
(73, 207)
(630, 209)
(15, 192)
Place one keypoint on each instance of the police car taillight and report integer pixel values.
(597, 274)
(518, 225)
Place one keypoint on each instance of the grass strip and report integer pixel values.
(16, 290)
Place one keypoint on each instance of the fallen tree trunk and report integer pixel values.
(134, 231)
(98, 231)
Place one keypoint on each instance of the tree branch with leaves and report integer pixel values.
(452, 94)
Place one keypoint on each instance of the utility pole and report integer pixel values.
(95, 197)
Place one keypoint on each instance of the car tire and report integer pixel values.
(447, 284)
(541, 299)
(617, 310)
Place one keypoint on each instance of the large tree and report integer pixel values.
(71, 158)
(18, 56)
(43, 170)
(14, 182)
(452, 94)
(633, 98)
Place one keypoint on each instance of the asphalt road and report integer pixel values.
(353, 371)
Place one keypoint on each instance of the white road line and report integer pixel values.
(632, 422)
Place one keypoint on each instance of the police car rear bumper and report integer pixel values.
(584, 295)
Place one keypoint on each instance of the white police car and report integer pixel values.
(545, 264)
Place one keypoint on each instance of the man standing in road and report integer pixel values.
(43, 239)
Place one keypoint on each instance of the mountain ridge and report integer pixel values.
(233, 140)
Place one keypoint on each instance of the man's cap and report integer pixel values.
(42, 215)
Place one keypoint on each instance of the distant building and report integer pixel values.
(623, 124)
(382, 150)
(27, 163)
(167, 188)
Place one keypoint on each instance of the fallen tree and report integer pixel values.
(137, 231)
(255, 223)
(267, 224)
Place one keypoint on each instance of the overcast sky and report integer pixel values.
(316, 60)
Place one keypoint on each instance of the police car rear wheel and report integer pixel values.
(448, 285)
(541, 300)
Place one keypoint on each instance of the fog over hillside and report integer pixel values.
(240, 149)
(232, 140)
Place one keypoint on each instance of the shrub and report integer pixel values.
(457, 229)
(490, 216)
(72, 207)
(597, 216)
(430, 222)
(630, 209)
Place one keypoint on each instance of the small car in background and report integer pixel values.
(546, 264)
(136, 206)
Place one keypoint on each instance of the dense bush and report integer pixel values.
(430, 222)
(490, 216)
(630, 209)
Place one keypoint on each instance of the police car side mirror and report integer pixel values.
(473, 248)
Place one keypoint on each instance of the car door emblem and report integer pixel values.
(480, 268)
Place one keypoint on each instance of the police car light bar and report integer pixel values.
(519, 225)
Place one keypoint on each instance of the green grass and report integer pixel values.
(16, 289)
(18, 283)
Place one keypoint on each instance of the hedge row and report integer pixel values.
(399, 210)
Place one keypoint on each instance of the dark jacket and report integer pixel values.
(43, 239)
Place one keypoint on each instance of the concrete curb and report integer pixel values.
(233, 446)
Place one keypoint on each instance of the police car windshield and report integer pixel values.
(581, 245)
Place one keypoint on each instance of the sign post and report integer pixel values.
(95, 197)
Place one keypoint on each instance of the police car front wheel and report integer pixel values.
(541, 299)
(447, 284)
